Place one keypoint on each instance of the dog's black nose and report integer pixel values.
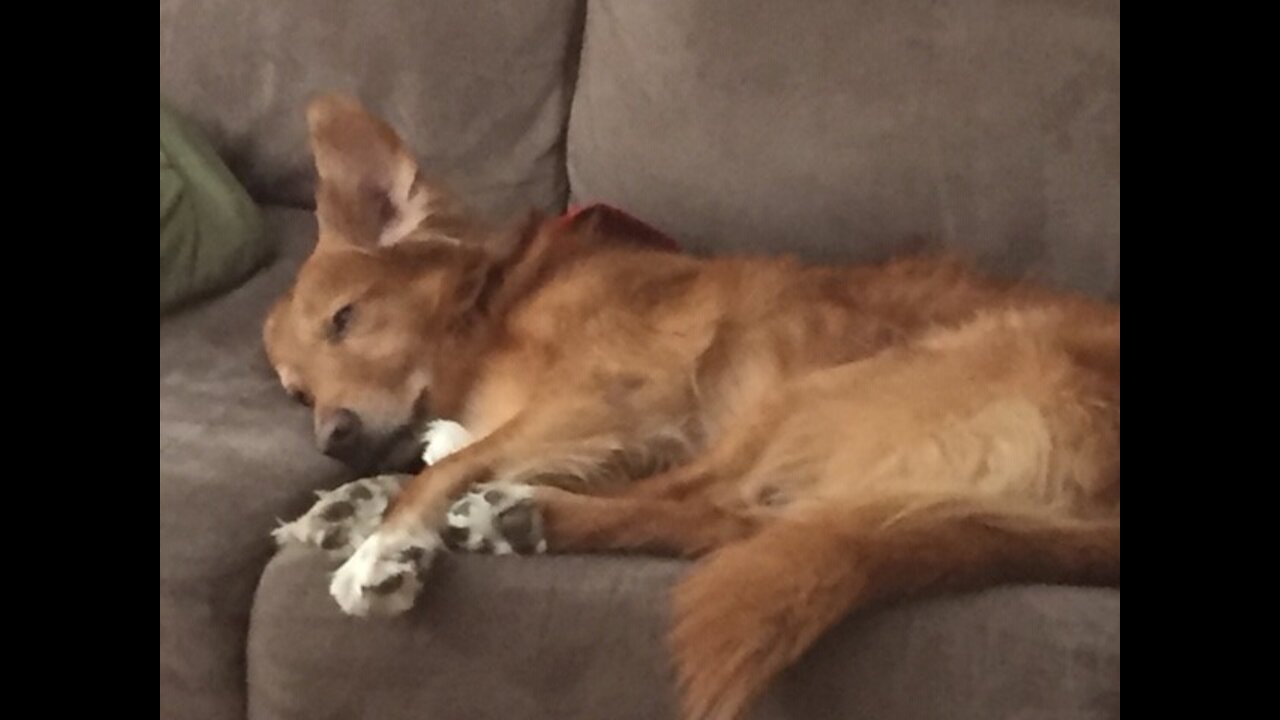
(339, 435)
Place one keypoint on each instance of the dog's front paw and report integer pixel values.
(342, 518)
(384, 575)
(500, 518)
(443, 438)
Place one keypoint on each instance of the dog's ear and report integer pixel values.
(472, 280)
(487, 276)
(369, 191)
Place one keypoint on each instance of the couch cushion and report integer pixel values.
(235, 454)
(579, 637)
(842, 129)
(479, 89)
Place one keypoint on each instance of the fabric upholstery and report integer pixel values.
(479, 89)
(830, 129)
(235, 455)
(547, 638)
(849, 130)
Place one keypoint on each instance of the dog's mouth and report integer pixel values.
(401, 452)
(401, 449)
(405, 454)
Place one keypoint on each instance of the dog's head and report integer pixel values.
(397, 268)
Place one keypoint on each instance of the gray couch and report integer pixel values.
(827, 128)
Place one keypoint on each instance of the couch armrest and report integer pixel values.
(235, 455)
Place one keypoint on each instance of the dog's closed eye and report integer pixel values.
(340, 321)
(300, 396)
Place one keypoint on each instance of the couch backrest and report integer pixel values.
(843, 128)
(480, 89)
(836, 129)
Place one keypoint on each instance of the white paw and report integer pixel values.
(500, 518)
(342, 518)
(443, 438)
(384, 575)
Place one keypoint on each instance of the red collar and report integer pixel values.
(620, 224)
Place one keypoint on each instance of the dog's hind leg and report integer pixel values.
(688, 528)
(505, 518)
(687, 511)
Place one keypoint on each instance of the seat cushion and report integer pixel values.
(836, 129)
(546, 637)
(235, 455)
(581, 638)
(481, 93)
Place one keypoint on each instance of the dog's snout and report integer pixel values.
(339, 435)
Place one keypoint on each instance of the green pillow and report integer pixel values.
(210, 230)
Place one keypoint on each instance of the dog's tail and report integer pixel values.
(754, 607)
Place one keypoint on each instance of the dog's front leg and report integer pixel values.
(384, 574)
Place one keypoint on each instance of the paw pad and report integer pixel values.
(388, 586)
(384, 575)
(500, 518)
(342, 518)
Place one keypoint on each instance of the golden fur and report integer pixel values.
(829, 437)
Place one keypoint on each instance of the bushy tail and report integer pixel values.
(754, 607)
